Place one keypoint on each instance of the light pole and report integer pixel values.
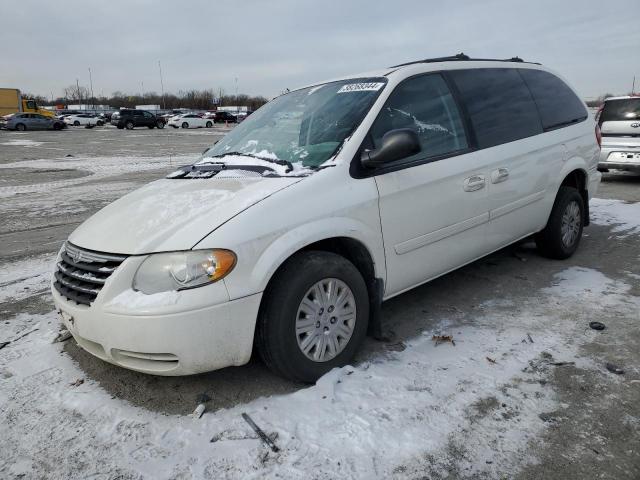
(93, 105)
(164, 103)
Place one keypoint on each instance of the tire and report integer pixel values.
(185, 125)
(160, 124)
(57, 126)
(21, 127)
(282, 309)
(100, 123)
(209, 125)
(561, 236)
(76, 123)
(129, 125)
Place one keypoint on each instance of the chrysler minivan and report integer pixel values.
(288, 234)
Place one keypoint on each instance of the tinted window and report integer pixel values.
(499, 104)
(625, 109)
(425, 105)
(557, 104)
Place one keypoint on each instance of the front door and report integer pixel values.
(433, 205)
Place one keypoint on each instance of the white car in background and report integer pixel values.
(190, 120)
(84, 119)
(289, 233)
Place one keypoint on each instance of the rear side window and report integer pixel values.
(557, 104)
(425, 105)
(625, 109)
(499, 103)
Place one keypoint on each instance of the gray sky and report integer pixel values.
(273, 45)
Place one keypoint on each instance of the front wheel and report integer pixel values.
(100, 123)
(209, 124)
(314, 316)
(160, 124)
(185, 125)
(21, 127)
(561, 236)
(76, 123)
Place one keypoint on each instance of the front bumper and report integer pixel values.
(200, 331)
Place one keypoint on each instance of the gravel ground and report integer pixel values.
(52, 181)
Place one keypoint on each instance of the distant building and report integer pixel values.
(147, 107)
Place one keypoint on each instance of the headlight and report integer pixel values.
(164, 272)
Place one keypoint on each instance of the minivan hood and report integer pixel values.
(174, 214)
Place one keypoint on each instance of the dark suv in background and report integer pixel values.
(136, 118)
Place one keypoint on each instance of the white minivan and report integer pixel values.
(289, 233)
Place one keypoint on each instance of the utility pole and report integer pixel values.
(93, 101)
(633, 86)
(164, 103)
(78, 93)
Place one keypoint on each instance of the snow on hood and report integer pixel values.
(171, 215)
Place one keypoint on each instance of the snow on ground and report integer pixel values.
(406, 413)
(623, 216)
(21, 205)
(99, 167)
(25, 278)
(22, 143)
(400, 413)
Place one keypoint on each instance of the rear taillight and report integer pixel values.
(598, 135)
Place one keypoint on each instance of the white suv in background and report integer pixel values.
(290, 232)
(619, 121)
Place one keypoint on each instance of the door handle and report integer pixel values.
(499, 175)
(473, 183)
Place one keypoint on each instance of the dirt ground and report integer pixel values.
(594, 434)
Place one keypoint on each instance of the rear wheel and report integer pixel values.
(160, 124)
(185, 125)
(561, 236)
(21, 127)
(76, 123)
(129, 125)
(100, 123)
(209, 124)
(314, 316)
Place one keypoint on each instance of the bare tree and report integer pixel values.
(76, 93)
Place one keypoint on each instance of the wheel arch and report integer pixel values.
(355, 251)
(578, 179)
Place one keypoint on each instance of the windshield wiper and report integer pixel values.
(283, 163)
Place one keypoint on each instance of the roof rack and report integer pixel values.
(462, 57)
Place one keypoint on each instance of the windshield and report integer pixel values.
(305, 127)
(621, 110)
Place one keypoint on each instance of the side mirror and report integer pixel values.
(396, 144)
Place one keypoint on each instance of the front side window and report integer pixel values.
(499, 103)
(425, 105)
(557, 104)
(306, 126)
(148, 115)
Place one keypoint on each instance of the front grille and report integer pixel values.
(80, 274)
